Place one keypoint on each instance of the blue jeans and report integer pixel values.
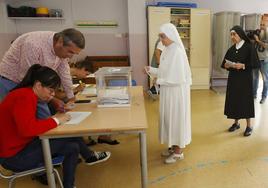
(6, 85)
(32, 155)
(264, 72)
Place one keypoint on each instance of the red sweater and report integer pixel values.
(18, 122)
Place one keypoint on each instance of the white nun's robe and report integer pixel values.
(174, 78)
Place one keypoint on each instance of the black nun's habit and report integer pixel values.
(239, 103)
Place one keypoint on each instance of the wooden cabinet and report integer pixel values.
(200, 48)
(194, 27)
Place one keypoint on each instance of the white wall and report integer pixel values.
(74, 10)
(138, 39)
(130, 15)
(245, 6)
(129, 38)
(99, 41)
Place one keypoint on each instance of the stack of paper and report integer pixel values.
(118, 95)
(89, 91)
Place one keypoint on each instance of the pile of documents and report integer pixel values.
(114, 96)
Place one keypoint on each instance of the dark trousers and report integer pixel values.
(32, 155)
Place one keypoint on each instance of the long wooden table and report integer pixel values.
(125, 120)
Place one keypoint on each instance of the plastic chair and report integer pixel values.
(11, 176)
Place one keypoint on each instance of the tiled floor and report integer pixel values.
(214, 159)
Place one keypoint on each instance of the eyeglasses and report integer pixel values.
(51, 90)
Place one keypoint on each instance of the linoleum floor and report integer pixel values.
(214, 159)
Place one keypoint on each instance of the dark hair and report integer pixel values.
(71, 35)
(45, 75)
(88, 65)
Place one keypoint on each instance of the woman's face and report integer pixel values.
(235, 37)
(43, 93)
(164, 39)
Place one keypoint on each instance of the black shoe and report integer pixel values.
(234, 127)
(153, 90)
(79, 160)
(41, 178)
(248, 131)
(262, 100)
(91, 143)
(108, 141)
(153, 96)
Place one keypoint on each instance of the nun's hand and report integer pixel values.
(146, 69)
(239, 66)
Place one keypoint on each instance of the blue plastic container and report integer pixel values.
(174, 4)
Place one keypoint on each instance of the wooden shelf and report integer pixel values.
(183, 28)
(180, 14)
(96, 26)
(36, 18)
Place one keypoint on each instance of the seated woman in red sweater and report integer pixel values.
(20, 148)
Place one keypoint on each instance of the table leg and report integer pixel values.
(143, 159)
(48, 163)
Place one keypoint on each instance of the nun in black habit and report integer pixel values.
(239, 60)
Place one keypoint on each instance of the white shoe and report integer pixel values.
(174, 157)
(167, 152)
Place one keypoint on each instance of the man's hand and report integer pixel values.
(256, 38)
(79, 88)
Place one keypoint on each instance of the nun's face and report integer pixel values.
(235, 37)
(164, 39)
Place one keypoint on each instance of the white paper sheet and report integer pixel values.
(91, 76)
(77, 117)
(89, 91)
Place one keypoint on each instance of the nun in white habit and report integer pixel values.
(174, 78)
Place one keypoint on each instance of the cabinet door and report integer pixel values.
(156, 17)
(200, 38)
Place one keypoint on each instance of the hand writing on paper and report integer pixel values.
(63, 118)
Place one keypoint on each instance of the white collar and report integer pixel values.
(239, 45)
